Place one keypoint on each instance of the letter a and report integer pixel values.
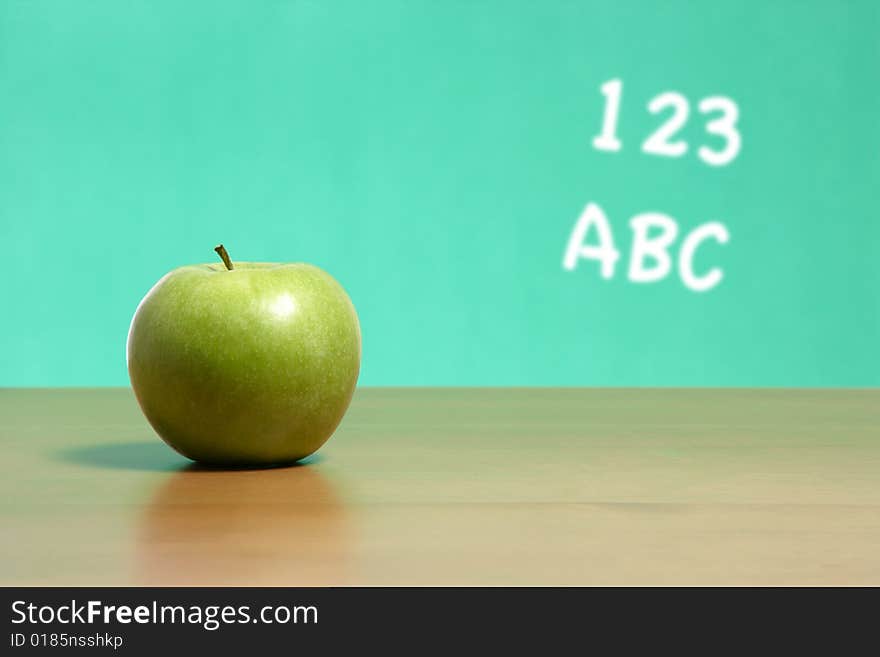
(603, 251)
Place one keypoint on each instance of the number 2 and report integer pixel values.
(658, 143)
(724, 126)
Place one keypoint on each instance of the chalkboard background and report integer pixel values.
(435, 157)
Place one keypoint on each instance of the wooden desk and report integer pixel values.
(457, 486)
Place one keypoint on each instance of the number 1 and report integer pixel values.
(607, 139)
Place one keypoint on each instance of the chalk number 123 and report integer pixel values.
(662, 141)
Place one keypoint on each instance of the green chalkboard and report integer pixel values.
(514, 193)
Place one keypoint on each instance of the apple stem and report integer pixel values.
(221, 251)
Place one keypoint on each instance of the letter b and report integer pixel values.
(657, 248)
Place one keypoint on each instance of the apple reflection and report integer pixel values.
(276, 527)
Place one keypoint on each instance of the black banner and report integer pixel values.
(323, 620)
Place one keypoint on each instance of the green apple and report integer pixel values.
(245, 363)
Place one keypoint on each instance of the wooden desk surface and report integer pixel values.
(457, 486)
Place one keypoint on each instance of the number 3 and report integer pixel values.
(724, 126)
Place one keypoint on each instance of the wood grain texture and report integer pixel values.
(458, 486)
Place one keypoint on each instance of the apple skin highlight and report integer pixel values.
(250, 366)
